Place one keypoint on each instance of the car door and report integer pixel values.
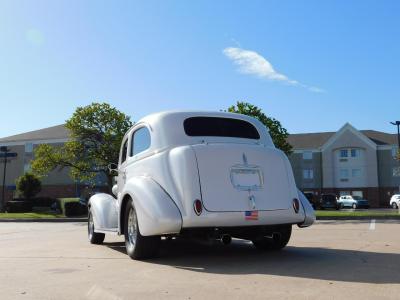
(351, 201)
(123, 157)
(346, 201)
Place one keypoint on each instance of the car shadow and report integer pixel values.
(241, 257)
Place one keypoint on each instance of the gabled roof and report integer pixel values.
(318, 139)
(50, 133)
(381, 138)
(309, 140)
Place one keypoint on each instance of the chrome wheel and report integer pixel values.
(90, 225)
(94, 237)
(132, 228)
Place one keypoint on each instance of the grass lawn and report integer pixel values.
(339, 213)
(30, 215)
(40, 212)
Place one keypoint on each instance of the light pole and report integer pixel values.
(4, 150)
(397, 123)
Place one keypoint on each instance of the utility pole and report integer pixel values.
(4, 150)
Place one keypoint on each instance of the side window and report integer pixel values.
(124, 151)
(140, 141)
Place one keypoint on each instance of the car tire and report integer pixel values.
(394, 205)
(138, 247)
(278, 241)
(94, 237)
(354, 206)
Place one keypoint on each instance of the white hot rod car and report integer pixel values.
(197, 174)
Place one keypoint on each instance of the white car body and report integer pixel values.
(395, 201)
(233, 177)
(352, 201)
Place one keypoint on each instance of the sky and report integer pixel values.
(313, 65)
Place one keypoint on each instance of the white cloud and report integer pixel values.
(250, 62)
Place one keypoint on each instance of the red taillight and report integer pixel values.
(296, 205)
(198, 207)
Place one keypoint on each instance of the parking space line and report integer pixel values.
(372, 224)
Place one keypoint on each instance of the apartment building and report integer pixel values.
(58, 183)
(349, 161)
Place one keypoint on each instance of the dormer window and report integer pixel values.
(344, 153)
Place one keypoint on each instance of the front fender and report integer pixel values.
(156, 212)
(309, 213)
(104, 211)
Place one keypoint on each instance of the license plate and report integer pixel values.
(246, 178)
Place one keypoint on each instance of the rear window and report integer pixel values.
(223, 127)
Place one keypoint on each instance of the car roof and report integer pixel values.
(167, 127)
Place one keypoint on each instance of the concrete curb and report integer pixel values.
(359, 218)
(55, 220)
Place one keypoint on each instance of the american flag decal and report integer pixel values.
(251, 215)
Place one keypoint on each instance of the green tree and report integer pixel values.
(96, 133)
(278, 133)
(28, 185)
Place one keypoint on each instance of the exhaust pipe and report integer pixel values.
(277, 236)
(226, 239)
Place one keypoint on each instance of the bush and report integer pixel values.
(60, 203)
(73, 209)
(18, 206)
(29, 185)
(43, 201)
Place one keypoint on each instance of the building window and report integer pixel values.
(396, 172)
(308, 174)
(344, 173)
(307, 155)
(344, 153)
(357, 193)
(28, 148)
(27, 167)
(355, 152)
(356, 173)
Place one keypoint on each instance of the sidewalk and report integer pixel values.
(49, 220)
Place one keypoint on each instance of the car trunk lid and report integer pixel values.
(242, 177)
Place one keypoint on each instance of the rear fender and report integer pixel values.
(104, 210)
(157, 213)
(309, 212)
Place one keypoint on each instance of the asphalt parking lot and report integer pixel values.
(331, 260)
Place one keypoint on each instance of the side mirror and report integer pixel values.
(115, 190)
(113, 169)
